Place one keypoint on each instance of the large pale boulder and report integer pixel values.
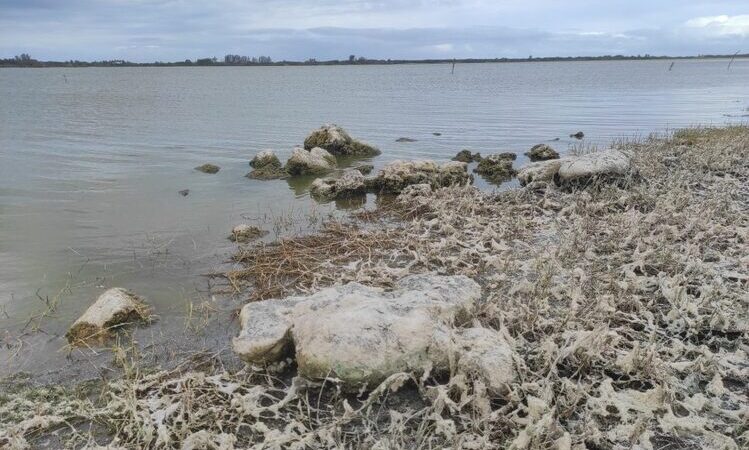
(338, 142)
(313, 162)
(395, 176)
(112, 309)
(361, 334)
(351, 184)
(539, 171)
(607, 164)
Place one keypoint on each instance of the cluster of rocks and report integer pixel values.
(317, 157)
(361, 335)
(391, 179)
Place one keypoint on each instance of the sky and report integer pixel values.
(175, 30)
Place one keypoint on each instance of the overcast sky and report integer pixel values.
(171, 30)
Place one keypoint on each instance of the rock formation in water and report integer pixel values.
(542, 152)
(466, 156)
(497, 167)
(316, 161)
(395, 176)
(337, 141)
(266, 166)
(208, 168)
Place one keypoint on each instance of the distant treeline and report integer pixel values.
(25, 60)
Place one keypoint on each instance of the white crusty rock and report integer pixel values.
(114, 308)
(395, 176)
(607, 164)
(352, 183)
(486, 354)
(313, 162)
(360, 334)
(539, 171)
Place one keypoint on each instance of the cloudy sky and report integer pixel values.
(171, 30)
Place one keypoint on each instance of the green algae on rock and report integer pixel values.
(338, 142)
(208, 168)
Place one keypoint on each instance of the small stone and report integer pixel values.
(437, 133)
(245, 233)
(208, 168)
(578, 135)
(114, 308)
(542, 152)
(405, 139)
(184, 192)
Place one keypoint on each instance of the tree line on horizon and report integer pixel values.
(25, 60)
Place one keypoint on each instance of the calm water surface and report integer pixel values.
(91, 159)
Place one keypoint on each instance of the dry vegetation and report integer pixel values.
(628, 306)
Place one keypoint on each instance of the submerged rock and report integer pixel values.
(436, 133)
(542, 152)
(351, 184)
(114, 308)
(184, 192)
(365, 169)
(337, 141)
(395, 176)
(360, 334)
(578, 135)
(313, 162)
(497, 167)
(405, 139)
(245, 233)
(466, 156)
(208, 168)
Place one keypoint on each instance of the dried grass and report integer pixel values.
(628, 305)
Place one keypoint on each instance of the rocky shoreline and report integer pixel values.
(605, 304)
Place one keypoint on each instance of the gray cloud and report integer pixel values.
(141, 30)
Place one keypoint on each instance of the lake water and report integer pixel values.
(91, 159)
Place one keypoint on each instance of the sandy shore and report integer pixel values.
(627, 306)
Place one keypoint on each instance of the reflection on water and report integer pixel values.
(90, 168)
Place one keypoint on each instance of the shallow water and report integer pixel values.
(92, 159)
